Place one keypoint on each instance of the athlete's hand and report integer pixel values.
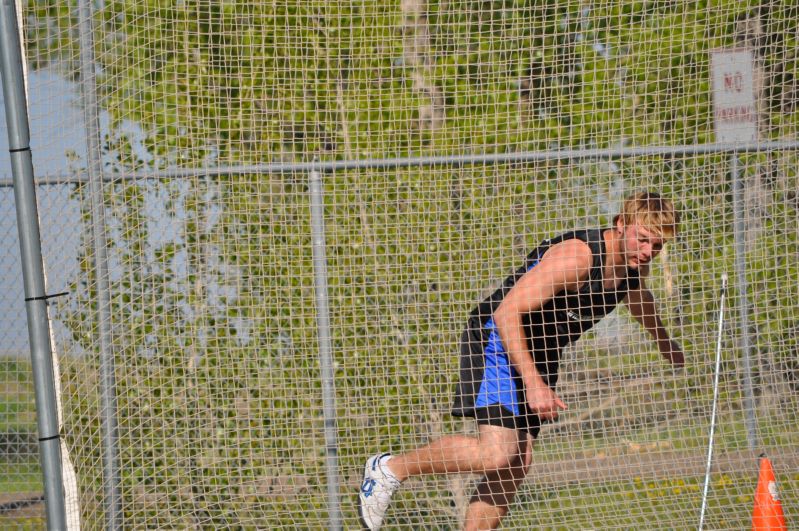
(544, 402)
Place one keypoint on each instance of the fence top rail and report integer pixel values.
(427, 161)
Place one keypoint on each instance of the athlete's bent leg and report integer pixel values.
(496, 492)
(494, 449)
(499, 454)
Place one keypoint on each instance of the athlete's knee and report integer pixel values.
(520, 464)
(522, 461)
(527, 457)
(498, 456)
(515, 458)
(482, 515)
(502, 449)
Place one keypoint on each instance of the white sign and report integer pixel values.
(734, 104)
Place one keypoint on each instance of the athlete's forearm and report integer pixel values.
(525, 366)
(511, 331)
(644, 310)
(671, 351)
(668, 348)
(540, 399)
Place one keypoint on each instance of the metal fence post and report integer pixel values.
(325, 346)
(743, 306)
(16, 108)
(111, 478)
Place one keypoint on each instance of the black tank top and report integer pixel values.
(568, 314)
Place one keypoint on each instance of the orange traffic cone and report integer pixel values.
(767, 514)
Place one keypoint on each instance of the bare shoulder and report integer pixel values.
(568, 261)
(564, 266)
(573, 253)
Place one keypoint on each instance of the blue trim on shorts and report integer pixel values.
(498, 385)
(499, 376)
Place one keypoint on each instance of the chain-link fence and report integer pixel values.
(222, 375)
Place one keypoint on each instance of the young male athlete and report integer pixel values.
(511, 349)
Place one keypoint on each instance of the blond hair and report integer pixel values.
(651, 211)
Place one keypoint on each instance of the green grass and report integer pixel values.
(19, 465)
(20, 476)
(17, 399)
(20, 472)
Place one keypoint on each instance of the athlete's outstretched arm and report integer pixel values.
(642, 306)
(562, 267)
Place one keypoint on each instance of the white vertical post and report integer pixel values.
(715, 401)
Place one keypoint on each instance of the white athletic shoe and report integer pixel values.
(376, 491)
